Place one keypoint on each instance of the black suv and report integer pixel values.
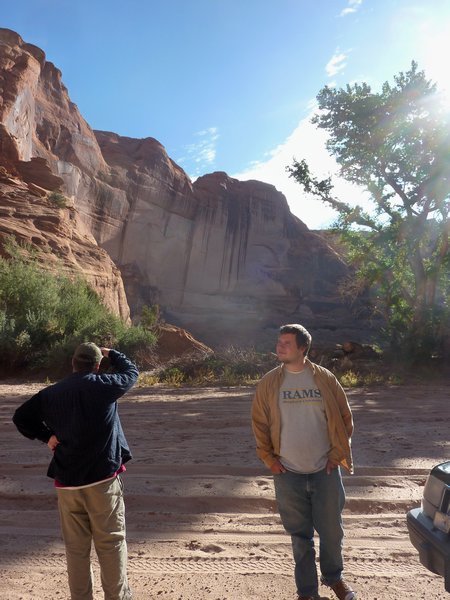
(429, 526)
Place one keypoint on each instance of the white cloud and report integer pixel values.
(308, 142)
(202, 153)
(352, 7)
(337, 62)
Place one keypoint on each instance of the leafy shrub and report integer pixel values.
(137, 342)
(150, 316)
(43, 317)
(13, 344)
(173, 376)
(58, 199)
(349, 379)
(147, 380)
(231, 366)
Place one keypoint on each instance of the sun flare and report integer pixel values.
(435, 61)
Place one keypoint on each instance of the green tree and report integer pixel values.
(396, 145)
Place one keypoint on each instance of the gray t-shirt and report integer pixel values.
(304, 432)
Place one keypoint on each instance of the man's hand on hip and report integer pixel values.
(277, 468)
(52, 443)
(331, 466)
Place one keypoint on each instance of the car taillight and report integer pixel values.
(432, 495)
(441, 518)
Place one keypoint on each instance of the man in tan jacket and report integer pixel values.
(303, 424)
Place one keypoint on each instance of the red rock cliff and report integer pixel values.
(43, 136)
(223, 258)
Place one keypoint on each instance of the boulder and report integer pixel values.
(174, 342)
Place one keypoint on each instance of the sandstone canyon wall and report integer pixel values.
(223, 258)
(36, 117)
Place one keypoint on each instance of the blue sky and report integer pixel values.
(229, 85)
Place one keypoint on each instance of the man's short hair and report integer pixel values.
(87, 356)
(302, 336)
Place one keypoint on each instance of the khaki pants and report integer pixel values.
(95, 513)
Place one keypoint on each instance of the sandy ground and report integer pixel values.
(201, 516)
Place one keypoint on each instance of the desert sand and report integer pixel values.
(201, 516)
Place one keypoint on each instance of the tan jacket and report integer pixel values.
(266, 416)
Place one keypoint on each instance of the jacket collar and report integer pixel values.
(308, 365)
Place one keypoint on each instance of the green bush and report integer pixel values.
(137, 342)
(230, 367)
(150, 316)
(43, 317)
(350, 379)
(58, 199)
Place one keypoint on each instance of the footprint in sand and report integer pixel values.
(211, 549)
(263, 485)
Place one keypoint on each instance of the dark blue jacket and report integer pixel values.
(81, 410)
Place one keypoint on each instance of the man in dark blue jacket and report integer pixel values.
(78, 419)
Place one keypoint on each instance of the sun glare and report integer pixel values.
(435, 53)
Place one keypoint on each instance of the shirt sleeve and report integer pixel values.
(124, 376)
(28, 420)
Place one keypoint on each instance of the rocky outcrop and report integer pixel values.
(63, 243)
(175, 343)
(223, 258)
(36, 117)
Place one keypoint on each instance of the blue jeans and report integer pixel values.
(307, 503)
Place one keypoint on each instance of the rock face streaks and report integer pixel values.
(223, 258)
(46, 146)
